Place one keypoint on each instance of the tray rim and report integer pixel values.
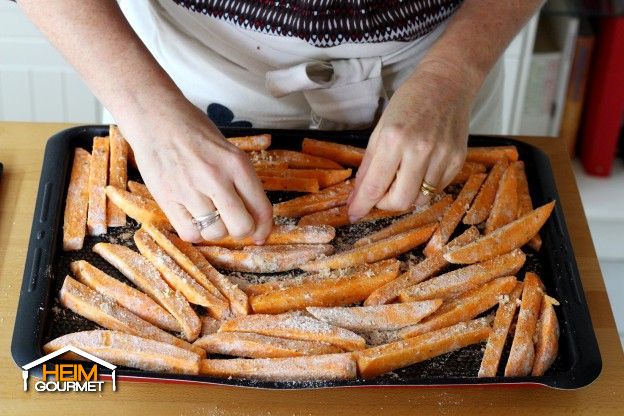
(42, 251)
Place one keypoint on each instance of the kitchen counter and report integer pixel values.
(21, 152)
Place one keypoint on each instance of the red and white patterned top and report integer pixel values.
(326, 23)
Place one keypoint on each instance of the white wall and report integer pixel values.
(36, 84)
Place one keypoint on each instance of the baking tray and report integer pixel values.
(39, 317)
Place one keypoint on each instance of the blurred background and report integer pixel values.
(564, 77)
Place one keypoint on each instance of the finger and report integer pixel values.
(366, 160)
(180, 218)
(375, 183)
(258, 205)
(199, 205)
(433, 177)
(405, 188)
(237, 219)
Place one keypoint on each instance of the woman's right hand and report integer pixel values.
(191, 170)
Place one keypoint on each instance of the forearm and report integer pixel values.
(96, 39)
(475, 38)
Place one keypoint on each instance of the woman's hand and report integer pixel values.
(191, 170)
(421, 136)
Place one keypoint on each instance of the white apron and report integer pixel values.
(246, 78)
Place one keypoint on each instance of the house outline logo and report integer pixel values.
(68, 348)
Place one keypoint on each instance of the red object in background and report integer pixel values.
(605, 99)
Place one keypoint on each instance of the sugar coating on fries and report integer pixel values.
(337, 288)
(132, 299)
(250, 345)
(118, 174)
(265, 259)
(379, 250)
(105, 312)
(504, 239)
(75, 217)
(98, 176)
(295, 326)
(312, 368)
(384, 358)
(380, 317)
(466, 278)
(313, 323)
(146, 277)
(131, 351)
(283, 234)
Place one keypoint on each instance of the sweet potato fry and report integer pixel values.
(453, 215)
(504, 239)
(341, 153)
(547, 332)
(379, 250)
(337, 289)
(468, 169)
(294, 184)
(338, 216)
(134, 300)
(250, 345)
(496, 341)
(75, 218)
(490, 155)
(316, 367)
(239, 304)
(139, 189)
(417, 219)
(325, 177)
(209, 325)
(522, 354)
(137, 207)
(295, 159)
(422, 271)
(505, 207)
(165, 240)
(295, 326)
(376, 318)
(384, 358)
(464, 279)
(525, 204)
(329, 197)
(283, 234)
(467, 307)
(98, 175)
(117, 174)
(267, 164)
(482, 204)
(178, 278)
(264, 259)
(147, 278)
(105, 312)
(274, 285)
(251, 143)
(128, 350)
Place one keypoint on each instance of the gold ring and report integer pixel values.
(428, 189)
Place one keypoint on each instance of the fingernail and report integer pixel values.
(259, 242)
(354, 218)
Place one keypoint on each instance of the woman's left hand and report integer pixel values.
(422, 135)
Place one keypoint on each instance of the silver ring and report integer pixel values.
(205, 221)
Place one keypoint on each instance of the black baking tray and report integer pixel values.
(39, 317)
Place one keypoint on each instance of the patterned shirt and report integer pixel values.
(326, 23)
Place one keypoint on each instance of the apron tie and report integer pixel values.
(340, 92)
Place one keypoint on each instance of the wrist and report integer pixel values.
(455, 77)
